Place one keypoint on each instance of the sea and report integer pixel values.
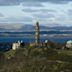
(32, 39)
(28, 40)
(6, 41)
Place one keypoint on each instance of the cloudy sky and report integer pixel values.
(47, 12)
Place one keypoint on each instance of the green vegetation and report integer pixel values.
(36, 59)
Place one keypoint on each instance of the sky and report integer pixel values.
(47, 12)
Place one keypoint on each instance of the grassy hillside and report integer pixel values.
(35, 59)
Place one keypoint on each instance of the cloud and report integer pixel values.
(32, 4)
(9, 2)
(29, 10)
(47, 10)
(70, 12)
(42, 10)
(16, 20)
(1, 15)
(17, 2)
(42, 16)
(58, 1)
(38, 10)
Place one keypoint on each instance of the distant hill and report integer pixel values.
(29, 27)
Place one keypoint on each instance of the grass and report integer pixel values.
(34, 59)
(67, 52)
(9, 54)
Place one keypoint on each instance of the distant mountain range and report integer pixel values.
(29, 27)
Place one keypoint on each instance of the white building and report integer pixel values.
(46, 41)
(16, 45)
(69, 44)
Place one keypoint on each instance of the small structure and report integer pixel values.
(69, 44)
(46, 41)
(16, 45)
(32, 44)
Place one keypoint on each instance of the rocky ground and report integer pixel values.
(36, 59)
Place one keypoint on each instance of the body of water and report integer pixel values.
(28, 40)
(41, 32)
(15, 39)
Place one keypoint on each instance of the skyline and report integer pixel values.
(47, 12)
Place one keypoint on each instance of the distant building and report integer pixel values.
(16, 45)
(69, 44)
(46, 41)
(37, 33)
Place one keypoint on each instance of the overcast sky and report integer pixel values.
(29, 11)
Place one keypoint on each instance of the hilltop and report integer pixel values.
(36, 59)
